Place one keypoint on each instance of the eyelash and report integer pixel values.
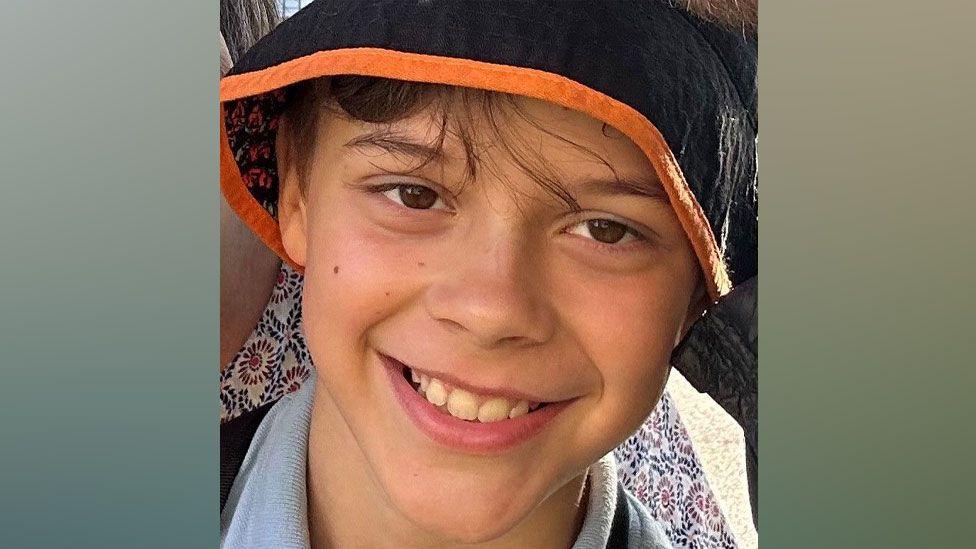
(638, 238)
(383, 188)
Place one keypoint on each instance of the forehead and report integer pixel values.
(516, 133)
(559, 128)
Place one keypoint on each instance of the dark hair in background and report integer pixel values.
(733, 14)
(244, 22)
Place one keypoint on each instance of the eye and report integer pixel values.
(413, 196)
(606, 231)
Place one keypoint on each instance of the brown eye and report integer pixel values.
(417, 197)
(606, 230)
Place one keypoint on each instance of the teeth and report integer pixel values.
(436, 393)
(467, 405)
(519, 410)
(495, 409)
(462, 404)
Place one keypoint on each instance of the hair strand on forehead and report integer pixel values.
(456, 110)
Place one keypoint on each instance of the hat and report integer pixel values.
(682, 89)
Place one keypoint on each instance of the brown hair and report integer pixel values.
(386, 101)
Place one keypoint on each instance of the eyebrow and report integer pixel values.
(647, 188)
(396, 143)
(399, 143)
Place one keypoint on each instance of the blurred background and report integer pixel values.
(288, 7)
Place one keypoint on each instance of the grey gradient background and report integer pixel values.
(108, 284)
(109, 277)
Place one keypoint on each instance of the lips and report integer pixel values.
(464, 420)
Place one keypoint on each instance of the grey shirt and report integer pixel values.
(266, 506)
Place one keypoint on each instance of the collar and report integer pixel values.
(266, 506)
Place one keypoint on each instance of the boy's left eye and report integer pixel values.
(413, 196)
(606, 231)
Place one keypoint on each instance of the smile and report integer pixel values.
(467, 405)
(464, 420)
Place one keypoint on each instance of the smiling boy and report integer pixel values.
(498, 264)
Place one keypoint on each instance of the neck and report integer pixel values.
(348, 508)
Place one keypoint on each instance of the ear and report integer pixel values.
(291, 200)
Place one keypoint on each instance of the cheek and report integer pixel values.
(354, 276)
(627, 328)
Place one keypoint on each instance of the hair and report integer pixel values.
(244, 22)
(386, 101)
(741, 15)
(454, 109)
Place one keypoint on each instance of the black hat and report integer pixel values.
(682, 89)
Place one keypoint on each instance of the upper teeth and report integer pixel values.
(467, 405)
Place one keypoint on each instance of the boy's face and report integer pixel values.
(492, 285)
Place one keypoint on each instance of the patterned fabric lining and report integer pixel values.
(657, 464)
(251, 125)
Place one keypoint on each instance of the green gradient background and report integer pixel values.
(108, 285)
(866, 262)
(109, 277)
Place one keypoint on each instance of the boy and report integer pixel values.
(499, 261)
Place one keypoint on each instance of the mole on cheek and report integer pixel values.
(335, 270)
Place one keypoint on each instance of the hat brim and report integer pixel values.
(538, 84)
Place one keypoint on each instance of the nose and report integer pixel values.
(495, 294)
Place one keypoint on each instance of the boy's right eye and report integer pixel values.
(413, 196)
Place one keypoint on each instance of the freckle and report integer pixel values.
(420, 263)
(387, 293)
(335, 269)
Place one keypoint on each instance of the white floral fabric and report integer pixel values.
(657, 464)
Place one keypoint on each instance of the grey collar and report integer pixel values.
(266, 506)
